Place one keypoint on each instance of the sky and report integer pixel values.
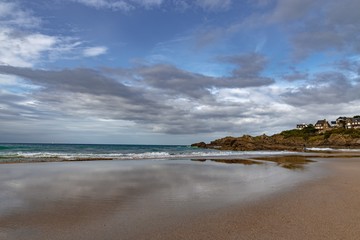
(174, 71)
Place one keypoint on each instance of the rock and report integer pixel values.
(199, 145)
(281, 142)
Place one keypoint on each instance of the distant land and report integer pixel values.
(340, 134)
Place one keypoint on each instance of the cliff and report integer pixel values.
(291, 140)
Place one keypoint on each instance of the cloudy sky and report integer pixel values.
(174, 71)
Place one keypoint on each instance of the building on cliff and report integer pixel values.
(322, 125)
(301, 126)
(352, 123)
(341, 122)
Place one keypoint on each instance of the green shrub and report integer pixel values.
(303, 133)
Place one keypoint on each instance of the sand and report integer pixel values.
(327, 207)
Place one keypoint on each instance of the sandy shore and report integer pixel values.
(327, 207)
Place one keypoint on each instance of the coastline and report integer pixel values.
(324, 207)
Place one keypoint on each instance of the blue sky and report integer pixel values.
(174, 71)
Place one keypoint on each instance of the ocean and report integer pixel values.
(26, 152)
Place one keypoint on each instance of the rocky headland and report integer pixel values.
(290, 140)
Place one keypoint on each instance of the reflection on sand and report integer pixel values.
(295, 162)
(65, 199)
(231, 161)
(292, 162)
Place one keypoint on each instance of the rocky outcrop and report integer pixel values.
(282, 142)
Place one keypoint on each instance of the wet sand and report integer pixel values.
(325, 207)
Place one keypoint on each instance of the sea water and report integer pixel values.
(26, 152)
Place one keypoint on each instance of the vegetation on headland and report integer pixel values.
(292, 140)
(310, 133)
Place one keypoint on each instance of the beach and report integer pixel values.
(326, 208)
(181, 199)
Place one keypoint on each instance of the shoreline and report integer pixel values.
(249, 156)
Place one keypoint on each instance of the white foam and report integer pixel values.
(333, 149)
(145, 155)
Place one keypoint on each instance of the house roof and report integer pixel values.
(321, 122)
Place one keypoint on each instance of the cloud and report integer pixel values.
(311, 27)
(248, 65)
(172, 80)
(324, 88)
(333, 26)
(287, 11)
(94, 51)
(128, 5)
(350, 65)
(107, 4)
(165, 99)
(76, 80)
(160, 98)
(214, 4)
(295, 75)
(22, 49)
(23, 44)
(120, 5)
(13, 15)
(149, 3)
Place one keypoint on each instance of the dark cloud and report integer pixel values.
(295, 75)
(161, 98)
(288, 11)
(175, 81)
(246, 74)
(335, 27)
(165, 99)
(312, 26)
(324, 88)
(170, 80)
(247, 65)
(81, 93)
(72, 80)
(248, 70)
(349, 65)
(14, 106)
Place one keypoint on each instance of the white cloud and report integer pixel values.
(23, 44)
(123, 5)
(149, 3)
(114, 5)
(11, 14)
(214, 4)
(94, 51)
(127, 5)
(7, 80)
(23, 50)
(19, 47)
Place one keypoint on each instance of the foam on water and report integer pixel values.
(129, 156)
(32, 152)
(333, 149)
